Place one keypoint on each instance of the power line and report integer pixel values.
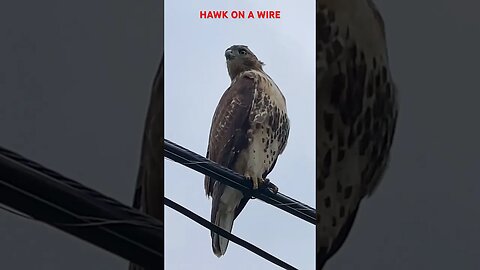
(205, 166)
(49, 197)
(229, 236)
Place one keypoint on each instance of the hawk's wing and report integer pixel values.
(148, 196)
(228, 133)
(356, 115)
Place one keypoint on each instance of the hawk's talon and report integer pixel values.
(270, 186)
(255, 181)
(251, 179)
(266, 184)
(259, 183)
(273, 188)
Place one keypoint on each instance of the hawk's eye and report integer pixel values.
(242, 51)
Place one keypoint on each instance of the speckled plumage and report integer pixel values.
(249, 131)
(356, 115)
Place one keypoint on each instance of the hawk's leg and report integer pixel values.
(255, 180)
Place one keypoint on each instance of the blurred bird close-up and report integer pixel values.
(356, 115)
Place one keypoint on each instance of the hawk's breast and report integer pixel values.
(268, 127)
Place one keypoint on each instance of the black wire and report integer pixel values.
(84, 220)
(205, 223)
(64, 181)
(47, 196)
(205, 166)
(198, 163)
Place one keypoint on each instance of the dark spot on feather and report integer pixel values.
(362, 77)
(331, 15)
(327, 161)
(338, 85)
(319, 47)
(374, 152)
(368, 118)
(340, 155)
(362, 57)
(365, 176)
(337, 48)
(384, 74)
(323, 33)
(348, 192)
(378, 81)
(339, 187)
(321, 18)
(351, 138)
(329, 55)
(327, 202)
(341, 139)
(328, 121)
(359, 127)
(364, 141)
(379, 108)
(344, 116)
(388, 90)
(353, 51)
(376, 126)
(342, 211)
(320, 183)
(334, 221)
(370, 85)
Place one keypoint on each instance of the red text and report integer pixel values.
(213, 14)
(268, 14)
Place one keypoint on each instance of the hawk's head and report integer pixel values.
(239, 59)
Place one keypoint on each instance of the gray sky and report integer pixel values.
(74, 86)
(75, 80)
(189, 106)
(425, 213)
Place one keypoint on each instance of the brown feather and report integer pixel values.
(356, 115)
(148, 196)
(249, 130)
(227, 134)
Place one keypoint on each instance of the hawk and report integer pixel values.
(148, 197)
(356, 115)
(249, 131)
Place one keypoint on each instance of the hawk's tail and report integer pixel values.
(223, 220)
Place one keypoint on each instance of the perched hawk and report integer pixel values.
(249, 131)
(148, 196)
(356, 115)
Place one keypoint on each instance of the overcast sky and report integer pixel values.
(75, 80)
(195, 79)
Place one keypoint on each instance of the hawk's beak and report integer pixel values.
(229, 54)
